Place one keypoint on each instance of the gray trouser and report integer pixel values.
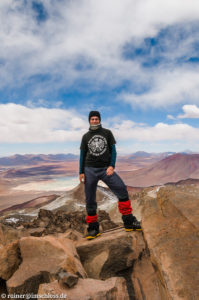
(114, 182)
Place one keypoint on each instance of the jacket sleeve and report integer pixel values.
(83, 151)
(82, 161)
(113, 156)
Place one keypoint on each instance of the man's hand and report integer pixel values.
(82, 178)
(109, 171)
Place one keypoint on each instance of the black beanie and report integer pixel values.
(94, 113)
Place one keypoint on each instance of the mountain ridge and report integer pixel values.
(170, 169)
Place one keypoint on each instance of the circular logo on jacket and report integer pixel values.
(97, 145)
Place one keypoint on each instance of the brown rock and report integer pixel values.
(111, 252)
(49, 222)
(43, 258)
(73, 235)
(78, 194)
(9, 234)
(10, 259)
(106, 225)
(67, 279)
(58, 222)
(172, 239)
(88, 289)
(36, 232)
(45, 214)
(147, 281)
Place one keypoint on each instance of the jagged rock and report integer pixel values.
(9, 234)
(67, 279)
(78, 194)
(89, 289)
(172, 239)
(45, 213)
(10, 259)
(73, 235)
(109, 253)
(37, 232)
(147, 281)
(42, 259)
(106, 225)
(49, 222)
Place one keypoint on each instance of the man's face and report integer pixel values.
(94, 120)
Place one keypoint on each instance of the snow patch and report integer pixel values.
(50, 206)
(12, 220)
(153, 193)
(108, 200)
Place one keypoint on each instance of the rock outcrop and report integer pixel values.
(160, 263)
(49, 222)
(111, 289)
(171, 235)
(110, 253)
(42, 261)
(10, 259)
(9, 234)
(147, 280)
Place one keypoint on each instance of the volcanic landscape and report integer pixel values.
(38, 179)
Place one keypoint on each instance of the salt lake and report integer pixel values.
(58, 184)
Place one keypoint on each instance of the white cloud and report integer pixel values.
(36, 126)
(20, 124)
(168, 88)
(170, 117)
(43, 103)
(160, 132)
(190, 111)
(83, 39)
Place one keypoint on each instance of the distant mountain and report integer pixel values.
(142, 155)
(187, 151)
(139, 154)
(170, 169)
(62, 157)
(30, 159)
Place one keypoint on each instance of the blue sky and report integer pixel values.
(137, 62)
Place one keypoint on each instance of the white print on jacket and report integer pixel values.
(97, 145)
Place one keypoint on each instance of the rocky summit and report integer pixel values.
(49, 255)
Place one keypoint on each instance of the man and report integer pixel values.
(97, 162)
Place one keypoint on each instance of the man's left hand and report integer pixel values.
(109, 171)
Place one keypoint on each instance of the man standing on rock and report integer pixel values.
(97, 162)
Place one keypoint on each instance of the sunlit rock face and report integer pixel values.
(110, 253)
(42, 261)
(170, 227)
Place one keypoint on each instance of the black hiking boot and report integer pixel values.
(131, 223)
(93, 231)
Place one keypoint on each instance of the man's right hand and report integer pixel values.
(82, 178)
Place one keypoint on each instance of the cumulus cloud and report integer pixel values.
(159, 132)
(190, 111)
(168, 88)
(84, 40)
(25, 125)
(21, 124)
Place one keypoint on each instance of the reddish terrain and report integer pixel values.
(137, 170)
(171, 169)
(37, 202)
